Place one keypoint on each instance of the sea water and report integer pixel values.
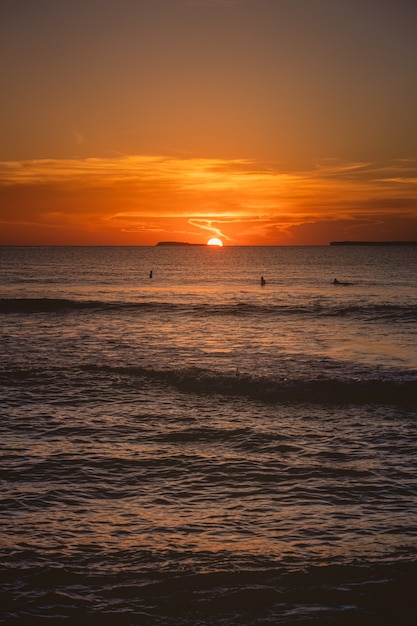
(196, 448)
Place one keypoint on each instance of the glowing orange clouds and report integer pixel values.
(140, 200)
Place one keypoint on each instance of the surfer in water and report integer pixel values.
(338, 282)
(263, 281)
(150, 274)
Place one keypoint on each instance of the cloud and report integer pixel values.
(229, 198)
(77, 137)
(210, 226)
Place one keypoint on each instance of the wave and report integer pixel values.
(272, 389)
(56, 305)
(363, 593)
(375, 388)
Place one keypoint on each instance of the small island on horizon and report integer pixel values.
(373, 243)
(178, 243)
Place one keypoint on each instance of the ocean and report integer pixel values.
(195, 448)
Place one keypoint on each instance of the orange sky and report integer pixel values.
(131, 200)
(262, 122)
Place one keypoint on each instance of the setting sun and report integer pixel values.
(214, 242)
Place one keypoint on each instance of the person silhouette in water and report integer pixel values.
(263, 281)
(150, 274)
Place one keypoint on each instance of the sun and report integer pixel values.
(215, 241)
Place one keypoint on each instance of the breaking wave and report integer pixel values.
(273, 389)
(58, 305)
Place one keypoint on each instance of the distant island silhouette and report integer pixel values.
(178, 243)
(373, 243)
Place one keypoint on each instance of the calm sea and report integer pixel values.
(197, 449)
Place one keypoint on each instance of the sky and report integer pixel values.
(261, 122)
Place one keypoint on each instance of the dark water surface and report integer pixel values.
(197, 449)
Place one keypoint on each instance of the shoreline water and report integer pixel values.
(196, 449)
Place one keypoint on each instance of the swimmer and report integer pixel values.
(338, 282)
